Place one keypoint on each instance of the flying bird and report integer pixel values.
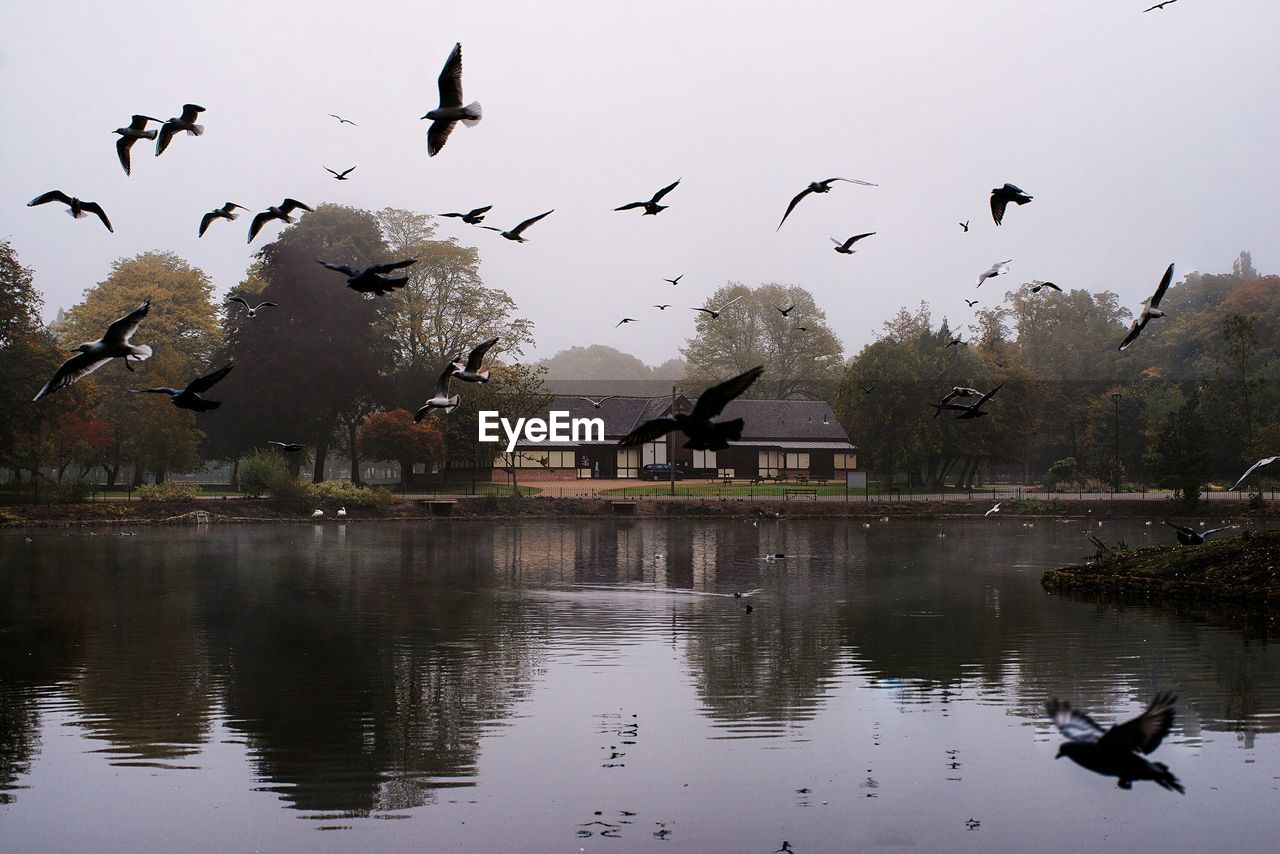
(1114, 752)
(995, 509)
(1150, 310)
(114, 344)
(472, 217)
(624, 320)
(675, 281)
(343, 121)
(288, 447)
(965, 226)
(451, 110)
(703, 434)
(976, 411)
(1159, 6)
(786, 311)
(469, 371)
(1038, 286)
(1192, 537)
(515, 233)
(136, 130)
(867, 389)
(715, 312)
(253, 309)
(187, 122)
(372, 279)
(843, 248)
(225, 212)
(662, 307)
(341, 176)
(75, 207)
(818, 187)
(966, 410)
(957, 391)
(957, 341)
(1265, 461)
(441, 399)
(281, 212)
(1000, 198)
(971, 302)
(651, 207)
(595, 404)
(997, 268)
(191, 397)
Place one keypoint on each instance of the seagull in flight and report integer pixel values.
(469, 371)
(703, 434)
(595, 404)
(191, 397)
(1150, 310)
(1038, 286)
(114, 344)
(343, 121)
(786, 311)
(996, 269)
(75, 207)
(472, 217)
(867, 389)
(517, 232)
(675, 281)
(662, 307)
(372, 279)
(225, 212)
(818, 187)
(624, 320)
(971, 302)
(341, 176)
(957, 341)
(1159, 6)
(441, 399)
(253, 309)
(715, 312)
(965, 226)
(1192, 537)
(281, 212)
(966, 410)
(288, 447)
(451, 111)
(958, 391)
(1265, 461)
(843, 248)
(136, 130)
(651, 207)
(1000, 198)
(995, 509)
(187, 122)
(1114, 752)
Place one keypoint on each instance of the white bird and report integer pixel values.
(596, 403)
(187, 122)
(253, 309)
(134, 131)
(76, 207)
(818, 187)
(317, 514)
(516, 233)
(715, 312)
(469, 371)
(225, 212)
(1150, 309)
(114, 344)
(342, 513)
(996, 269)
(280, 212)
(1265, 461)
(995, 509)
(451, 109)
(441, 399)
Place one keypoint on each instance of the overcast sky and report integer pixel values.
(1145, 138)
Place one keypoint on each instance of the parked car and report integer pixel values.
(659, 471)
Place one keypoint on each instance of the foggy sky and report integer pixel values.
(1145, 138)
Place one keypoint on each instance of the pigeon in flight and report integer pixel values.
(715, 312)
(1159, 6)
(114, 344)
(441, 399)
(281, 213)
(1114, 752)
(996, 269)
(595, 404)
(1000, 198)
(136, 130)
(651, 207)
(341, 176)
(843, 248)
(227, 212)
(971, 302)
(472, 217)
(253, 309)
(516, 233)
(372, 280)
(675, 281)
(288, 447)
(469, 371)
(624, 320)
(451, 110)
(187, 122)
(786, 311)
(1038, 286)
(965, 226)
(703, 434)
(191, 397)
(75, 207)
(1192, 537)
(342, 121)
(1150, 309)
(1265, 461)
(818, 187)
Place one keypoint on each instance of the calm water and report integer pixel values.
(543, 686)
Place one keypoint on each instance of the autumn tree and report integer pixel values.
(80, 439)
(513, 391)
(394, 436)
(1181, 453)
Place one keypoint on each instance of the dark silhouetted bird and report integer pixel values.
(343, 121)
(843, 248)
(451, 109)
(441, 399)
(786, 311)
(114, 344)
(1150, 310)
(136, 130)
(469, 371)
(965, 225)
(624, 320)
(372, 279)
(1000, 198)
(281, 212)
(341, 176)
(1039, 286)
(966, 410)
(703, 434)
(651, 207)
(187, 122)
(472, 217)
(289, 447)
(75, 207)
(1159, 6)
(1192, 537)
(675, 281)
(515, 233)
(1114, 752)
(191, 397)
(867, 389)
(715, 312)
(971, 302)
(253, 309)
(227, 212)
(818, 187)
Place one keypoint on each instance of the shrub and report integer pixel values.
(170, 490)
(1059, 472)
(259, 470)
(292, 493)
(67, 491)
(347, 493)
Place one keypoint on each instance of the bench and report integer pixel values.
(440, 506)
(787, 494)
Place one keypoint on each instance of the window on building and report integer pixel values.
(797, 461)
(770, 463)
(845, 461)
(704, 459)
(628, 460)
(654, 452)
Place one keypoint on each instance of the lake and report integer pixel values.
(595, 685)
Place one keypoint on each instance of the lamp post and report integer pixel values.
(1115, 463)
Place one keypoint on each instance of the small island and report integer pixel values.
(1245, 568)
